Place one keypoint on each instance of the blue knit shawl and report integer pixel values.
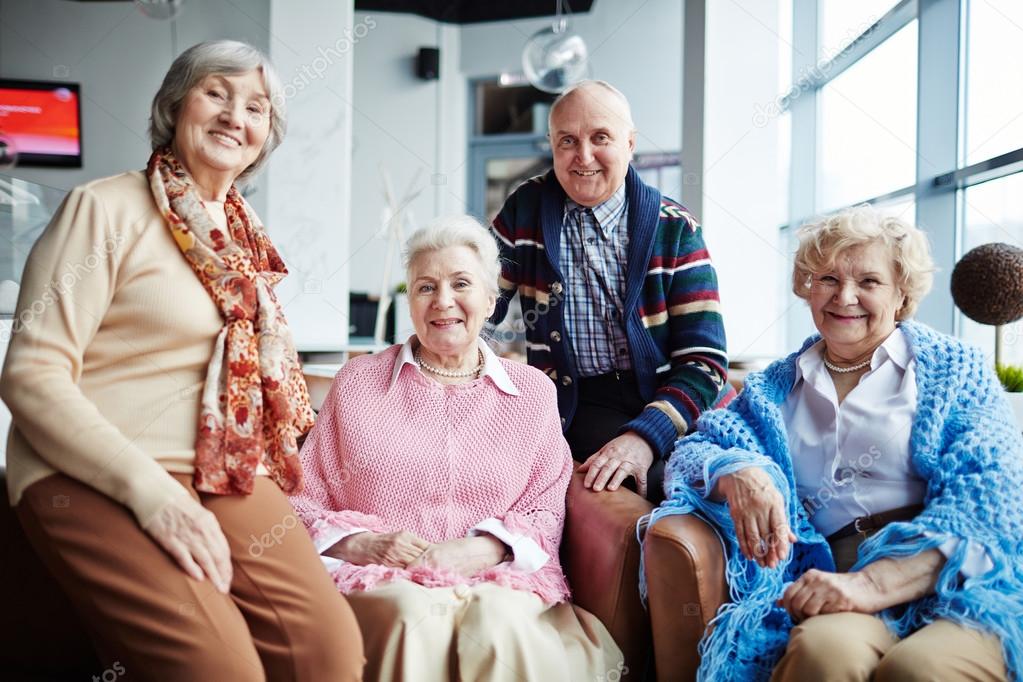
(964, 443)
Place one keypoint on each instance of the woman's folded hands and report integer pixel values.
(465, 556)
(877, 586)
(397, 549)
(817, 592)
(402, 549)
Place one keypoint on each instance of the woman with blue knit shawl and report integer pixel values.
(868, 488)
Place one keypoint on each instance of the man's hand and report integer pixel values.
(818, 592)
(627, 455)
(466, 556)
(397, 550)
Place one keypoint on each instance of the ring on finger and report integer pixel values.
(761, 547)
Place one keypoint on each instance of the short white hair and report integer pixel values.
(822, 241)
(456, 230)
(591, 84)
(212, 58)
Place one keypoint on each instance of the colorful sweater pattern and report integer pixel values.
(672, 312)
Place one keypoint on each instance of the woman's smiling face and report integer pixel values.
(449, 300)
(855, 303)
(223, 124)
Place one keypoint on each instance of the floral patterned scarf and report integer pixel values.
(255, 404)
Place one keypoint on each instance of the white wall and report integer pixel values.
(119, 56)
(635, 46)
(309, 176)
(744, 181)
(407, 126)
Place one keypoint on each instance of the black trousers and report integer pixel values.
(606, 403)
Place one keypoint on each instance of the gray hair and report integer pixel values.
(821, 242)
(590, 84)
(216, 57)
(456, 230)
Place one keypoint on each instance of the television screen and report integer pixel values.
(42, 120)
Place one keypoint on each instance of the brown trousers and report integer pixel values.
(283, 618)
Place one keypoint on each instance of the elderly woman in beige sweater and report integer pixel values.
(157, 401)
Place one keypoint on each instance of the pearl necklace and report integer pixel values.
(448, 373)
(845, 370)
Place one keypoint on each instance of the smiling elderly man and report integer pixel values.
(619, 297)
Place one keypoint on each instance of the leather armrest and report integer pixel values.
(685, 573)
(601, 558)
(41, 637)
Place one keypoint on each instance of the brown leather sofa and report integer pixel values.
(41, 638)
(685, 573)
(600, 555)
(40, 635)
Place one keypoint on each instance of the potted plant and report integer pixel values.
(1011, 377)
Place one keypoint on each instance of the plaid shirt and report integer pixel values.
(593, 258)
(672, 316)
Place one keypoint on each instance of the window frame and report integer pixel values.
(941, 174)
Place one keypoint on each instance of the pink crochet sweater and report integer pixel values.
(437, 460)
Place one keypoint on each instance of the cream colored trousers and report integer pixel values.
(858, 646)
(484, 632)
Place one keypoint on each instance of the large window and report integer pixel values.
(842, 22)
(868, 125)
(916, 107)
(994, 78)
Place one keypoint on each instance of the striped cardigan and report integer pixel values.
(672, 317)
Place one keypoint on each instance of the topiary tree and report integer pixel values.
(987, 285)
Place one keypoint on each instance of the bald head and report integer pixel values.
(602, 92)
(592, 140)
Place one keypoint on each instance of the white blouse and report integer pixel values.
(853, 459)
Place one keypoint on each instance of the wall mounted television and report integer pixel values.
(43, 121)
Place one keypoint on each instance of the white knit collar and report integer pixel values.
(492, 366)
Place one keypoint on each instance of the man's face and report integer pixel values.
(592, 141)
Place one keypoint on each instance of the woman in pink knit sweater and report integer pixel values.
(435, 483)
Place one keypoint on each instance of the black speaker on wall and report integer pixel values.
(428, 63)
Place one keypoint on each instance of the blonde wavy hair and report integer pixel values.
(821, 242)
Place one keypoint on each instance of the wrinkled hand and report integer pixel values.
(191, 534)
(624, 456)
(758, 511)
(396, 550)
(465, 556)
(818, 592)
